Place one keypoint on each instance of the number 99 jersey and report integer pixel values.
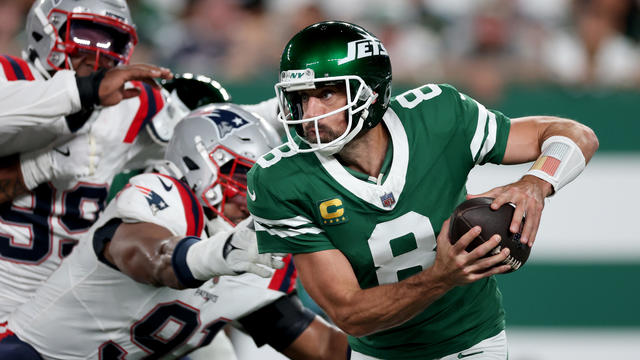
(387, 229)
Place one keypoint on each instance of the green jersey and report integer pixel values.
(307, 202)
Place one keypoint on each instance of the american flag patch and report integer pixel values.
(388, 200)
(551, 160)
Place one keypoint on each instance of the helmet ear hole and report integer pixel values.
(36, 36)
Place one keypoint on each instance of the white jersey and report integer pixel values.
(38, 229)
(105, 314)
(32, 109)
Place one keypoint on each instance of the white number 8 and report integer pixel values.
(419, 95)
(380, 246)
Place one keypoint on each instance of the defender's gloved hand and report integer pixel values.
(73, 159)
(231, 253)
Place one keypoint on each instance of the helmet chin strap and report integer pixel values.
(35, 60)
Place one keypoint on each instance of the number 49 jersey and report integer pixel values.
(88, 309)
(387, 229)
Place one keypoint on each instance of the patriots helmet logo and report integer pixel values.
(226, 121)
(156, 202)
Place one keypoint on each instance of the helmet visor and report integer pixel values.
(100, 37)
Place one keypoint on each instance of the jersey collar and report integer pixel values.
(382, 196)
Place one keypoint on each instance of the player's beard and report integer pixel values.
(326, 133)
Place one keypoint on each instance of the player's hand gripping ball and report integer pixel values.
(478, 211)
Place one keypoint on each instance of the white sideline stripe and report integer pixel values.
(479, 134)
(288, 232)
(294, 221)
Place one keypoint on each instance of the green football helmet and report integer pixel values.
(334, 53)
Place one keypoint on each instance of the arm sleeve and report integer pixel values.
(32, 103)
(278, 324)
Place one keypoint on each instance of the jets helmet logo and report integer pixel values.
(156, 202)
(363, 48)
(226, 121)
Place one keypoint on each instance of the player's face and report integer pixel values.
(88, 36)
(235, 207)
(84, 62)
(320, 101)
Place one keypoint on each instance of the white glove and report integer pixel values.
(76, 158)
(231, 253)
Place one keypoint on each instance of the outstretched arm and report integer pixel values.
(150, 254)
(143, 252)
(361, 312)
(568, 146)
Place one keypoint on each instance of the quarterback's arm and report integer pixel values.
(360, 312)
(562, 147)
(527, 135)
(319, 341)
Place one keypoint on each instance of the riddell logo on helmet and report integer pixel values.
(363, 48)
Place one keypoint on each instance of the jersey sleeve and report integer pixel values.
(31, 103)
(161, 200)
(485, 131)
(284, 223)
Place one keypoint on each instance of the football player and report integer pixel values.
(142, 283)
(365, 184)
(68, 124)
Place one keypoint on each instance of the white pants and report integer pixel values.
(493, 348)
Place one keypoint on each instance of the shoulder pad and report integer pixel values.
(162, 200)
(15, 68)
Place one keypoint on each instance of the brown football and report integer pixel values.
(477, 211)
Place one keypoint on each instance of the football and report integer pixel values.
(477, 211)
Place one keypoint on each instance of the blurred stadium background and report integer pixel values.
(578, 296)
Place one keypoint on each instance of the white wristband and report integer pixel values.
(36, 167)
(560, 162)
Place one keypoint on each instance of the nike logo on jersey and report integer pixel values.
(165, 186)
(461, 355)
(67, 152)
(252, 195)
